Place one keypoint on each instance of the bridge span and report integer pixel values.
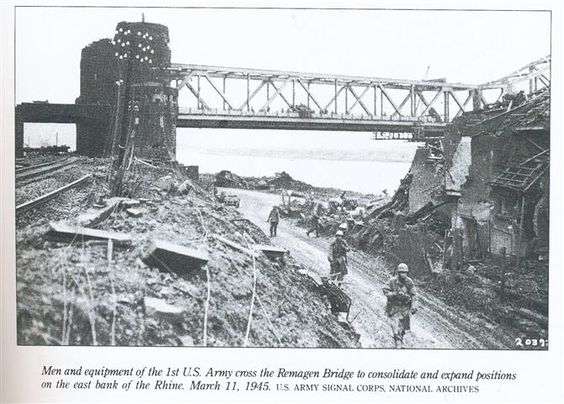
(232, 97)
(133, 98)
(240, 97)
(193, 118)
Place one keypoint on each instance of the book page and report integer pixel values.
(281, 202)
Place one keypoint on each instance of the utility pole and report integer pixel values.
(119, 166)
(130, 46)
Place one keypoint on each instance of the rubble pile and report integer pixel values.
(471, 216)
(164, 265)
(227, 179)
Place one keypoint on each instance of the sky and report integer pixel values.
(463, 46)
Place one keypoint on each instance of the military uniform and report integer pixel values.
(273, 219)
(315, 221)
(401, 300)
(338, 259)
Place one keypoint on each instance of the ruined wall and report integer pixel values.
(489, 216)
(427, 182)
(457, 174)
(98, 77)
(476, 188)
(541, 216)
(98, 73)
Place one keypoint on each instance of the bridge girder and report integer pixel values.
(319, 92)
(327, 96)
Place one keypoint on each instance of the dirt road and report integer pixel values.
(434, 325)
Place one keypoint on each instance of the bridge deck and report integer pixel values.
(292, 121)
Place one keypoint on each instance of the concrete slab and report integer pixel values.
(173, 257)
(65, 232)
(161, 309)
(132, 212)
(271, 251)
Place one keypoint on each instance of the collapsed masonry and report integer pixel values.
(490, 177)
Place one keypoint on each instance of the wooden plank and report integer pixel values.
(233, 244)
(64, 231)
(173, 257)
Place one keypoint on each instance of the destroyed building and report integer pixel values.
(492, 180)
(499, 175)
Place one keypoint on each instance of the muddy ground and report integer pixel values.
(82, 292)
(436, 325)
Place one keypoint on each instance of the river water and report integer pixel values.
(345, 160)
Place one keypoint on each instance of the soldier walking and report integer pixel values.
(315, 220)
(273, 219)
(338, 257)
(401, 294)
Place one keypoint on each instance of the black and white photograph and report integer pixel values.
(368, 178)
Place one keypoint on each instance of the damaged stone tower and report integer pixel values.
(98, 77)
(128, 72)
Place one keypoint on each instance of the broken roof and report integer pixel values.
(521, 177)
(532, 115)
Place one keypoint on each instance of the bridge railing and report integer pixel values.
(290, 114)
(322, 96)
(311, 95)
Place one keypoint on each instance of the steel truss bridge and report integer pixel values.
(226, 97)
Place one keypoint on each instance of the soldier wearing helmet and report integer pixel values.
(401, 294)
(338, 257)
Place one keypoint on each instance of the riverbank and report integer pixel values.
(91, 292)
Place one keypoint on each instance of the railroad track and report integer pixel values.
(50, 195)
(38, 171)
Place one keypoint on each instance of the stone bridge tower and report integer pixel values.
(129, 73)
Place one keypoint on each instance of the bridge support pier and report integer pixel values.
(92, 137)
(476, 99)
(155, 109)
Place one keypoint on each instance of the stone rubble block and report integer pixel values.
(173, 257)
